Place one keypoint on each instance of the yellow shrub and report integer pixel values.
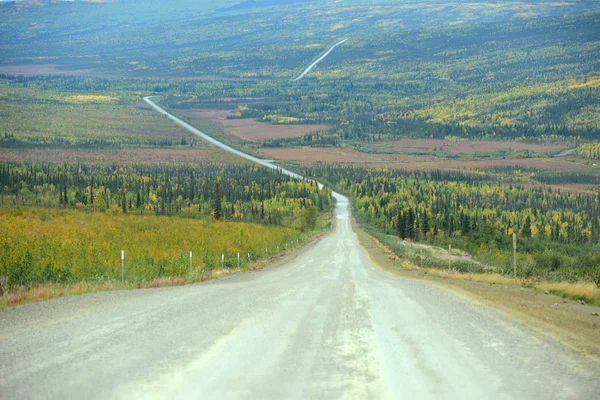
(39, 244)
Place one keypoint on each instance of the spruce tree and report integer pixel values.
(424, 223)
(410, 224)
(526, 231)
(218, 197)
(401, 225)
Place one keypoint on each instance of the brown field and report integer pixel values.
(353, 158)
(473, 147)
(47, 70)
(238, 99)
(57, 70)
(307, 155)
(130, 156)
(251, 130)
(337, 155)
(540, 163)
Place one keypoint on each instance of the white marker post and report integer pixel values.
(222, 261)
(122, 266)
(238, 261)
(190, 262)
(515, 255)
(449, 259)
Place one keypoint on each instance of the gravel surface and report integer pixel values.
(326, 323)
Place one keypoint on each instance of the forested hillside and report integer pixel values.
(515, 70)
(233, 37)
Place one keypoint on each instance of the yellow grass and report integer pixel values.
(579, 290)
(90, 98)
(587, 291)
(583, 290)
(591, 82)
(46, 291)
(23, 295)
(35, 242)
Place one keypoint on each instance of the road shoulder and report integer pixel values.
(568, 321)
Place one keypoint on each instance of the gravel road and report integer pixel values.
(325, 323)
(307, 70)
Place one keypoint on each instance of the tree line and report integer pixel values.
(232, 192)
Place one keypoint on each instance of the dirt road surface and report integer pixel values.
(325, 323)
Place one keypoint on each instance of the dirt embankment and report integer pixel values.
(574, 324)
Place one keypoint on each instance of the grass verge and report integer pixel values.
(586, 292)
(23, 295)
(409, 255)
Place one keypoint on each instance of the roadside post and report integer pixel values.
(222, 261)
(515, 256)
(238, 262)
(449, 258)
(122, 266)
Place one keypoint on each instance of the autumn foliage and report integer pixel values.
(51, 245)
(69, 223)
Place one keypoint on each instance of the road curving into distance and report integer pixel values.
(324, 323)
(217, 143)
(307, 70)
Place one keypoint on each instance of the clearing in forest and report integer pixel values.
(251, 130)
